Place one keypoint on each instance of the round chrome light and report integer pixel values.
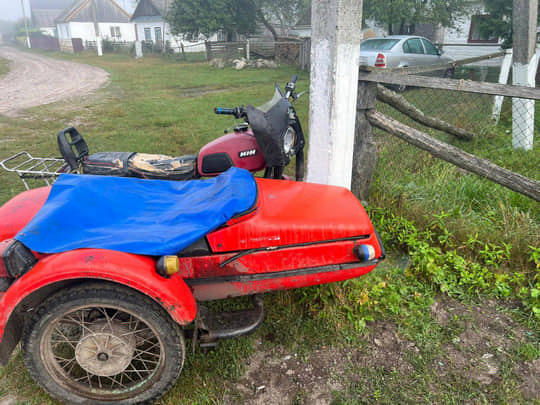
(288, 140)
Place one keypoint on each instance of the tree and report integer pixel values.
(284, 12)
(399, 14)
(196, 17)
(499, 22)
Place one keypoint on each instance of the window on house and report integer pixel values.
(478, 35)
(115, 32)
(157, 31)
(147, 34)
(220, 35)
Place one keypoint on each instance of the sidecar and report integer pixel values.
(102, 278)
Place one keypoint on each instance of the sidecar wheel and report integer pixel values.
(103, 344)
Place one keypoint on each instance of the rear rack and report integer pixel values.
(35, 168)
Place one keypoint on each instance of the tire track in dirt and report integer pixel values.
(35, 80)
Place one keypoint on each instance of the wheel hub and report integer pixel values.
(105, 349)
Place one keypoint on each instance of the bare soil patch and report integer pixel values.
(487, 343)
(489, 340)
(35, 80)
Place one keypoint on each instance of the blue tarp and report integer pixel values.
(151, 217)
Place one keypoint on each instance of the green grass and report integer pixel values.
(437, 221)
(151, 105)
(414, 184)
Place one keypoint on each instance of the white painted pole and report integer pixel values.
(28, 44)
(96, 29)
(503, 79)
(523, 71)
(335, 52)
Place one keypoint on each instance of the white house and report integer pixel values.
(466, 40)
(85, 20)
(151, 27)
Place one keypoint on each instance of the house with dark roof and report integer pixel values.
(87, 20)
(149, 20)
(151, 26)
(45, 12)
(45, 20)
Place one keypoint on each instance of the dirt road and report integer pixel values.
(34, 80)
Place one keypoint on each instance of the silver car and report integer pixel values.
(396, 51)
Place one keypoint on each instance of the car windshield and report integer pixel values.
(378, 44)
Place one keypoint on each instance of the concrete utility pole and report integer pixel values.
(96, 28)
(335, 53)
(524, 71)
(28, 44)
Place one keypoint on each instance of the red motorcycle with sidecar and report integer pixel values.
(102, 278)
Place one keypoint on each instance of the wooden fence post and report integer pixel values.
(364, 158)
(183, 51)
(208, 51)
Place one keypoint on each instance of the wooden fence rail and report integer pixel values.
(368, 77)
(467, 86)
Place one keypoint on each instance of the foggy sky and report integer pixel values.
(11, 9)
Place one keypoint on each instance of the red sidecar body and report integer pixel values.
(295, 235)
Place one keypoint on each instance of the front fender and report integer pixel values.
(133, 271)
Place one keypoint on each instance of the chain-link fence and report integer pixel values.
(482, 129)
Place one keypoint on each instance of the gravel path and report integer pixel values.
(34, 80)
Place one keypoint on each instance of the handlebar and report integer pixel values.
(289, 88)
(238, 112)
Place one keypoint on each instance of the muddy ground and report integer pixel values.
(35, 80)
(477, 355)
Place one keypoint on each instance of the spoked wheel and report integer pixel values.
(103, 344)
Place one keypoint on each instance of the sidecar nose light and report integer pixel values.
(364, 252)
(167, 265)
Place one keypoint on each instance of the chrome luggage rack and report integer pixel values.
(29, 167)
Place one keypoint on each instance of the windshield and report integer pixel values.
(378, 44)
(278, 95)
(269, 123)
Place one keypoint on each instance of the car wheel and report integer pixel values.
(103, 344)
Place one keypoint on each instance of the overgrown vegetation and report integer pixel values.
(451, 238)
(415, 185)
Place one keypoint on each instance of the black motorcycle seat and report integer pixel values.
(143, 165)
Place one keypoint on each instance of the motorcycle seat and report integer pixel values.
(141, 165)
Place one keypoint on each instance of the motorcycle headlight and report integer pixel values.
(288, 141)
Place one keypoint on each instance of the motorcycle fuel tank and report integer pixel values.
(239, 149)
